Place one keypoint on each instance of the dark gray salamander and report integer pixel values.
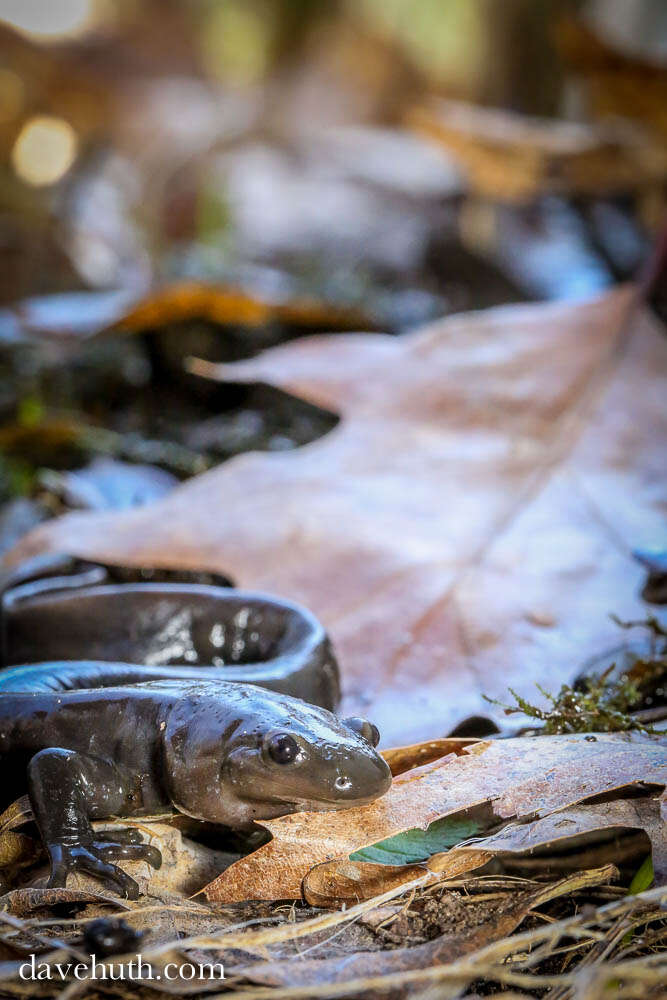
(92, 739)
(171, 630)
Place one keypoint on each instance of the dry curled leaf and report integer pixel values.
(16, 849)
(402, 759)
(620, 84)
(345, 882)
(89, 313)
(510, 157)
(577, 823)
(24, 902)
(520, 778)
(467, 525)
(16, 814)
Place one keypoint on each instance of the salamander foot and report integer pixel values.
(96, 857)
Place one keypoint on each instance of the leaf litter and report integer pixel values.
(440, 912)
(470, 930)
(454, 892)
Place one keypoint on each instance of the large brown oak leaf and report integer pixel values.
(469, 523)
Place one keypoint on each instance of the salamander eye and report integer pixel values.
(282, 748)
(365, 729)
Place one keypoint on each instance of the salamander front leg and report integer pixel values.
(67, 790)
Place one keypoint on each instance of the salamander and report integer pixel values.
(228, 743)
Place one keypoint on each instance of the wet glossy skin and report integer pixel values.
(88, 742)
(170, 630)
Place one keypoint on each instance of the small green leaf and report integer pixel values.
(412, 846)
(643, 877)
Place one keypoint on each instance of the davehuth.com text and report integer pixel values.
(136, 969)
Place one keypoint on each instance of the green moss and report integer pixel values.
(601, 703)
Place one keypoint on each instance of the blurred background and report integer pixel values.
(210, 177)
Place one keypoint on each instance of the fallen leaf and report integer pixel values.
(24, 902)
(512, 157)
(519, 778)
(16, 849)
(576, 822)
(88, 313)
(341, 883)
(617, 83)
(345, 882)
(401, 759)
(468, 524)
(16, 814)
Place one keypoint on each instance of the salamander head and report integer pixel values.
(248, 754)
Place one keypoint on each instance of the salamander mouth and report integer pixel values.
(335, 805)
(331, 805)
(314, 804)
